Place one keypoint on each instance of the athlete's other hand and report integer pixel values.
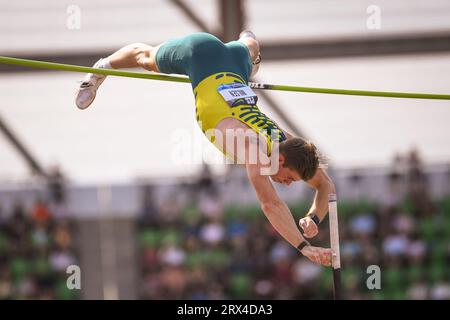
(320, 256)
(309, 227)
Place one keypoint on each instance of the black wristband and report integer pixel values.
(314, 218)
(302, 244)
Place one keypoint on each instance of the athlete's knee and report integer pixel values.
(255, 68)
(142, 53)
(141, 50)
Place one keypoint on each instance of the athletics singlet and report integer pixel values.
(210, 64)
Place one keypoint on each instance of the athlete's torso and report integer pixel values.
(211, 109)
(209, 63)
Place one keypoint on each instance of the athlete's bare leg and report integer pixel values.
(131, 56)
(249, 39)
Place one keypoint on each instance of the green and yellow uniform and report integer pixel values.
(210, 64)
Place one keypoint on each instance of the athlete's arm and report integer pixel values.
(273, 207)
(279, 215)
(324, 186)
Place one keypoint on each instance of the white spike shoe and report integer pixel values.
(87, 90)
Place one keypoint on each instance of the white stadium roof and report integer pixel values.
(41, 26)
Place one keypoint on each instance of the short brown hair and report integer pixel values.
(300, 155)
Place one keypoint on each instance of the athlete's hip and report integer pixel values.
(212, 107)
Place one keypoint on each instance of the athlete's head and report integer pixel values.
(298, 160)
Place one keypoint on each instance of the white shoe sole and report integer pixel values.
(93, 89)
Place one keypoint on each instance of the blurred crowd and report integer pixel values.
(36, 247)
(194, 244)
(195, 247)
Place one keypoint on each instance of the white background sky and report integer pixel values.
(127, 132)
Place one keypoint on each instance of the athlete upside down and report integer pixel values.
(224, 103)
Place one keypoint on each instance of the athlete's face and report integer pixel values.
(285, 175)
